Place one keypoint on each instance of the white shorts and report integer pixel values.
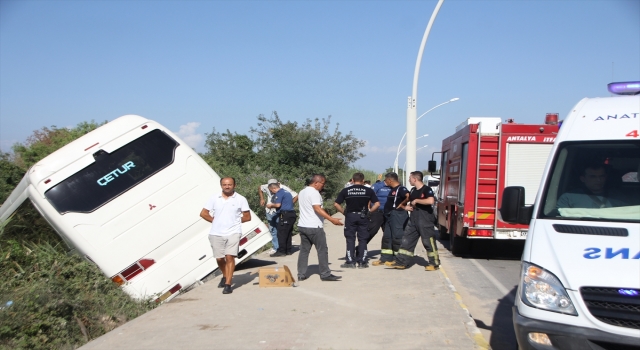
(225, 245)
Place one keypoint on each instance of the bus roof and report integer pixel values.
(86, 144)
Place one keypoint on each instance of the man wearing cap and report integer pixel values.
(272, 219)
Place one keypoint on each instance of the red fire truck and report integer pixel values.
(478, 161)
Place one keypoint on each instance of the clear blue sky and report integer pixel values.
(196, 65)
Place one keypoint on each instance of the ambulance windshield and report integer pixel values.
(594, 181)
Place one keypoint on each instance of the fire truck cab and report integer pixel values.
(483, 156)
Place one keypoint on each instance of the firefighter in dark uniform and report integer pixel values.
(283, 202)
(421, 225)
(396, 219)
(358, 198)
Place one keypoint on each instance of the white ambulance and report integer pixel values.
(580, 281)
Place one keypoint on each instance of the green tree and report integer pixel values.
(10, 176)
(287, 151)
(229, 149)
(232, 154)
(299, 150)
(368, 175)
(47, 140)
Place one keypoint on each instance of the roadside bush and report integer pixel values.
(287, 151)
(50, 299)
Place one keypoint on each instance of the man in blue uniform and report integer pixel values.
(272, 219)
(376, 217)
(358, 198)
(396, 219)
(283, 203)
(421, 225)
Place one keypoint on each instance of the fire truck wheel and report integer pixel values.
(442, 232)
(459, 245)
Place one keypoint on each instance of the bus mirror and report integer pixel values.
(432, 166)
(513, 209)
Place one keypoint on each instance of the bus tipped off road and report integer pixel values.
(127, 197)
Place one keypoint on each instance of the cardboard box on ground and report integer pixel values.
(276, 277)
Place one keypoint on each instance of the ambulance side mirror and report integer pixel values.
(513, 209)
(432, 166)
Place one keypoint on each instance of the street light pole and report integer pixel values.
(405, 163)
(412, 103)
(395, 164)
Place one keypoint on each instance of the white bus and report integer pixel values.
(127, 196)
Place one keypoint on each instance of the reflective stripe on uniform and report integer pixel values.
(405, 252)
(387, 251)
(434, 254)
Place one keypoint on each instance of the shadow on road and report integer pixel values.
(253, 262)
(240, 280)
(501, 327)
(503, 335)
(491, 249)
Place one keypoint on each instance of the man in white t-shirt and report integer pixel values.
(272, 219)
(226, 212)
(311, 226)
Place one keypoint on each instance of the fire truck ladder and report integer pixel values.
(487, 173)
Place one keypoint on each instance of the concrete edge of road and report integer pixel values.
(477, 336)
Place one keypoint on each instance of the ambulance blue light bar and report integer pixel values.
(625, 88)
(629, 292)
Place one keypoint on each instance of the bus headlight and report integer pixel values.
(539, 288)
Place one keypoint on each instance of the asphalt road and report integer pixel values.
(487, 282)
(374, 308)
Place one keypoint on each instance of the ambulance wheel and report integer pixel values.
(442, 233)
(459, 245)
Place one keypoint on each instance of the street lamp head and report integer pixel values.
(454, 99)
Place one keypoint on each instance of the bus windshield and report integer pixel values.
(594, 181)
(113, 173)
